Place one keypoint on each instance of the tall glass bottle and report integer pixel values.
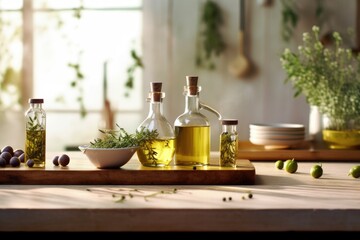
(35, 139)
(159, 152)
(192, 129)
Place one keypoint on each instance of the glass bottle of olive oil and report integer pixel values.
(158, 152)
(35, 139)
(192, 129)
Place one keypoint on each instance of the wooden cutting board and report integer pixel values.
(80, 171)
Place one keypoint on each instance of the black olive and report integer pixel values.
(2, 162)
(22, 157)
(56, 161)
(15, 162)
(30, 163)
(6, 156)
(18, 152)
(64, 160)
(8, 149)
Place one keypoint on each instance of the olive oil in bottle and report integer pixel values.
(35, 139)
(160, 151)
(192, 145)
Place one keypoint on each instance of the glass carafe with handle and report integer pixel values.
(192, 128)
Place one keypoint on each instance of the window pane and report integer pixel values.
(10, 59)
(61, 38)
(113, 3)
(60, 4)
(11, 4)
(98, 36)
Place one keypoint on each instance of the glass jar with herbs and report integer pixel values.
(35, 139)
(228, 143)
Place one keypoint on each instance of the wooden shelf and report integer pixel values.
(303, 152)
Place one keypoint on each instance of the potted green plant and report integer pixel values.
(329, 78)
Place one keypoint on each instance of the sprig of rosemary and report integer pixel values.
(33, 124)
(121, 138)
(121, 195)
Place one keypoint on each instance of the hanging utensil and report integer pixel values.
(241, 65)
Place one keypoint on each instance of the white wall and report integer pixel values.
(170, 29)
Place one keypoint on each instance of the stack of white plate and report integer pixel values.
(278, 135)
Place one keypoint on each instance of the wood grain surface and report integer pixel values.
(81, 171)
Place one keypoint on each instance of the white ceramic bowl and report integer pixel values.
(278, 127)
(108, 157)
(260, 141)
(277, 135)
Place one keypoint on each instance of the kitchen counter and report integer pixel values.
(278, 201)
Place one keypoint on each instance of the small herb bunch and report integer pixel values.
(328, 77)
(123, 139)
(211, 43)
(291, 15)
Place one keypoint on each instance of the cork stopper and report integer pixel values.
(155, 91)
(155, 86)
(229, 122)
(192, 84)
(36, 100)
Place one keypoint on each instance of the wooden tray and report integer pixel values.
(305, 151)
(81, 171)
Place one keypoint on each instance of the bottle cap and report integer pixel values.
(36, 100)
(229, 122)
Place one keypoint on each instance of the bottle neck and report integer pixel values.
(156, 108)
(192, 103)
(36, 105)
(229, 128)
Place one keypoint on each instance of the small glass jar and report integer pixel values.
(228, 143)
(35, 139)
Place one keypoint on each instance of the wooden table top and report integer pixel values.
(278, 201)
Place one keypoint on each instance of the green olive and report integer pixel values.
(316, 171)
(354, 171)
(287, 162)
(291, 165)
(279, 164)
